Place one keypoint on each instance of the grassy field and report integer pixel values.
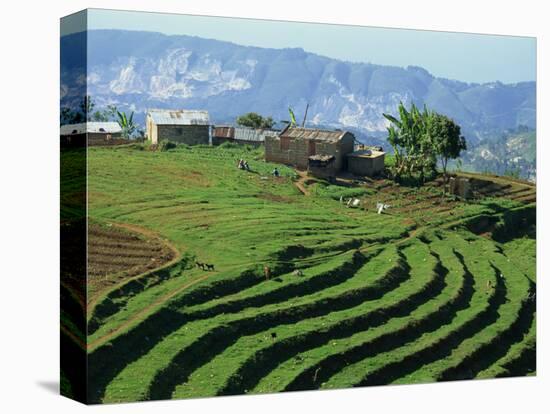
(434, 289)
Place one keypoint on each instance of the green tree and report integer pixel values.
(419, 139)
(85, 112)
(87, 107)
(126, 123)
(105, 115)
(79, 113)
(100, 116)
(408, 135)
(111, 111)
(446, 139)
(69, 116)
(254, 120)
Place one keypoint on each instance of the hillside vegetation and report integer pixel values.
(512, 153)
(433, 289)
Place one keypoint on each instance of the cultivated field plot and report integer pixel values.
(434, 289)
(118, 252)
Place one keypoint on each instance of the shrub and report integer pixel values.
(229, 144)
(167, 145)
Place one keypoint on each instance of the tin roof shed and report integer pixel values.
(91, 127)
(313, 134)
(243, 133)
(179, 117)
(253, 135)
(224, 132)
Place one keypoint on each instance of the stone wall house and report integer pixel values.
(322, 166)
(91, 133)
(294, 146)
(366, 162)
(183, 126)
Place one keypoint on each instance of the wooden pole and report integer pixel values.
(305, 115)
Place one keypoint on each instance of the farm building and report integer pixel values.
(241, 135)
(367, 162)
(97, 133)
(185, 126)
(295, 145)
(322, 166)
(221, 134)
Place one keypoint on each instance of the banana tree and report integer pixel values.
(409, 137)
(292, 117)
(126, 123)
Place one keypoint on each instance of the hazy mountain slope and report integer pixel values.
(512, 153)
(140, 70)
(150, 69)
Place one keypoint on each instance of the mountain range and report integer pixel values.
(139, 70)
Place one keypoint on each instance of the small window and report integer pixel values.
(101, 129)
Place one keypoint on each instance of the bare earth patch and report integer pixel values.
(117, 252)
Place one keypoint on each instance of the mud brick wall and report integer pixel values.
(323, 172)
(184, 134)
(297, 153)
(364, 166)
(96, 139)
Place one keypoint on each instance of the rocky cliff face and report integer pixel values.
(140, 70)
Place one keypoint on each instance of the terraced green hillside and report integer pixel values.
(434, 289)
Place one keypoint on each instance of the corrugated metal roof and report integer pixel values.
(321, 157)
(366, 154)
(179, 117)
(314, 134)
(224, 132)
(253, 135)
(243, 133)
(91, 127)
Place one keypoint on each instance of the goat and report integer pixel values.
(205, 266)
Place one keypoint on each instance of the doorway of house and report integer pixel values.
(311, 148)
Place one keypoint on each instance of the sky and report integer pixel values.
(461, 56)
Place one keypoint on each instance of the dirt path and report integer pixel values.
(300, 183)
